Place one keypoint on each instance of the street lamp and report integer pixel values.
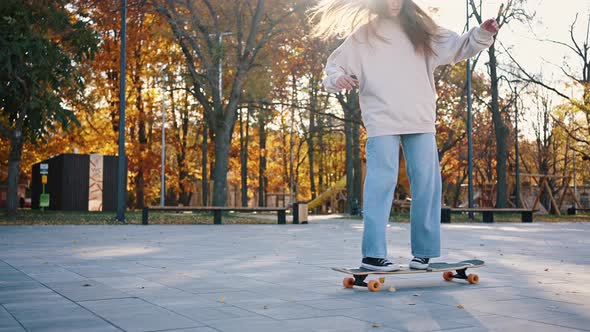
(122, 158)
(469, 128)
(163, 169)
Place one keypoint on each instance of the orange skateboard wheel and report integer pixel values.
(448, 276)
(473, 278)
(374, 286)
(348, 282)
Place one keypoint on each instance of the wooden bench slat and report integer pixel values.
(500, 210)
(214, 208)
(488, 213)
(281, 211)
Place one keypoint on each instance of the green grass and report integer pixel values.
(37, 217)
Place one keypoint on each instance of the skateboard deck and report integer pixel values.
(460, 268)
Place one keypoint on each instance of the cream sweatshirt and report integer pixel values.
(396, 85)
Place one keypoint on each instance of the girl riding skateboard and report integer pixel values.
(391, 50)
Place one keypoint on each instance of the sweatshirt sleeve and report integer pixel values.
(450, 47)
(338, 64)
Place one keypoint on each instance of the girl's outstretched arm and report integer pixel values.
(450, 47)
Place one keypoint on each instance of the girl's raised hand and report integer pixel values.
(491, 26)
(347, 82)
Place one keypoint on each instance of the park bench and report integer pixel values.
(488, 213)
(217, 211)
(574, 210)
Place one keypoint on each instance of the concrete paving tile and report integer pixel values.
(138, 315)
(336, 303)
(338, 324)
(8, 296)
(500, 323)
(127, 283)
(44, 310)
(86, 323)
(86, 290)
(7, 321)
(287, 311)
(204, 314)
(277, 277)
(13, 276)
(255, 324)
(195, 329)
(399, 319)
(580, 321)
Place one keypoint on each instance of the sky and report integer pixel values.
(552, 21)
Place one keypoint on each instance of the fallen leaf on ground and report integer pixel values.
(546, 270)
(86, 285)
(222, 300)
(460, 306)
(376, 325)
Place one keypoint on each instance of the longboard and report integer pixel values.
(360, 274)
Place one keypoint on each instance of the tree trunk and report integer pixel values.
(244, 156)
(14, 163)
(321, 161)
(262, 162)
(204, 162)
(141, 136)
(292, 190)
(310, 149)
(349, 161)
(181, 132)
(457, 191)
(501, 132)
(222, 146)
(356, 161)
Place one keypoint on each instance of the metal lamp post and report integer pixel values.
(469, 128)
(122, 158)
(163, 167)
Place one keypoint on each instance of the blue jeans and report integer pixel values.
(423, 171)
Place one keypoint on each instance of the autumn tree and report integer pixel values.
(43, 44)
(515, 10)
(578, 74)
(198, 27)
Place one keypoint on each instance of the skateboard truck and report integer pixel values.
(359, 280)
(471, 278)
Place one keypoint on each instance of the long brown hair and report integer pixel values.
(417, 24)
(340, 18)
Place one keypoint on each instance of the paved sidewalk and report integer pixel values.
(277, 278)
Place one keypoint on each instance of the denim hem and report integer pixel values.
(432, 255)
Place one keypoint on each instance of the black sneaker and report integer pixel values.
(419, 263)
(379, 264)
